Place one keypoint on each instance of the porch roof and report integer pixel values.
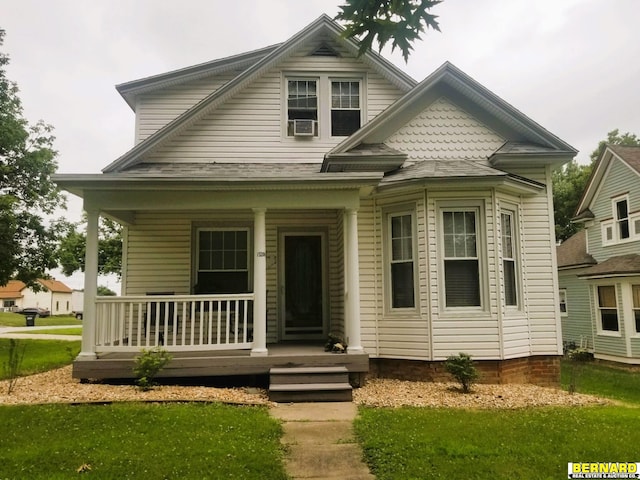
(218, 175)
(622, 265)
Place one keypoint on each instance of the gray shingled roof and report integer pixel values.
(572, 252)
(621, 265)
(226, 171)
(629, 154)
(443, 169)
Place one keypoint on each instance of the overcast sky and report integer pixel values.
(571, 65)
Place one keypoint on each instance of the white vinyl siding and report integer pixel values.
(248, 127)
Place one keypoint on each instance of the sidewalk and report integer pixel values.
(319, 441)
(32, 333)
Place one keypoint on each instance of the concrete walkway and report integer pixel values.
(32, 333)
(319, 441)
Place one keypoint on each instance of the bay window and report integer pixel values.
(507, 220)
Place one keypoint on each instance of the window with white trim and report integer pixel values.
(401, 255)
(623, 226)
(302, 107)
(621, 212)
(323, 105)
(345, 108)
(222, 263)
(607, 308)
(635, 289)
(461, 259)
(563, 302)
(509, 267)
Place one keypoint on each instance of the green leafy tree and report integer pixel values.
(71, 252)
(400, 22)
(27, 193)
(570, 182)
(105, 291)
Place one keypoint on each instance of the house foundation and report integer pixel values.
(543, 370)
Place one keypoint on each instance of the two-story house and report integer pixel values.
(599, 267)
(278, 196)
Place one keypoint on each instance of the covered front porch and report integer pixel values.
(219, 320)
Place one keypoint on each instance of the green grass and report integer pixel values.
(40, 355)
(417, 443)
(131, 441)
(55, 331)
(610, 382)
(17, 320)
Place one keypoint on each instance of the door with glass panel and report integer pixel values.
(302, 279)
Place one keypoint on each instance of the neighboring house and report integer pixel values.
(280, 195)
(599, 267)
(54, 296)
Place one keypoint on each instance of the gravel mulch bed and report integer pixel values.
(57, 386)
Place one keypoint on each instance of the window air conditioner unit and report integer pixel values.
(303, 127)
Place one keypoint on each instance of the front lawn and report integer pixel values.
(416, 443)
(594, 378)
(8, 319)
(132, 441)
(55, 331)
(39, 355)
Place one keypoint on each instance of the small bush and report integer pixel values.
(148, 365)
(461, 367)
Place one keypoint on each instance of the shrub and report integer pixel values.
(148, 365)
(461, 367)
(577, 357)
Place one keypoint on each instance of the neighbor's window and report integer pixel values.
(636, 306)
(563, 302)
(302, 107)
(622, 218)
(608, 308)
(508, 258)
(461, 261)
(345, 107)
(222, 263)
(402, 265)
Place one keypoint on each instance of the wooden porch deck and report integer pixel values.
(224, 363)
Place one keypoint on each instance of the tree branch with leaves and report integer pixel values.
(400, 22)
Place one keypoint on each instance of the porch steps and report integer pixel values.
(309, 384)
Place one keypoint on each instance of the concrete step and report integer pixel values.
(310, 384)
(280, 376)
(311, 392)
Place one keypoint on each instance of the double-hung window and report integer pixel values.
(607, 308)
(222, 262)
(621, 210)
(302, 107)
(323, 105)
(345, 108)
(401, 259)
(563, 302)
(507, 218)
(461, 260)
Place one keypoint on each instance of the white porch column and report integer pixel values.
(259, 283)
(88, 351)
(352, 281)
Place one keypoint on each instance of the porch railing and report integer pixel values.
(174, 322)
